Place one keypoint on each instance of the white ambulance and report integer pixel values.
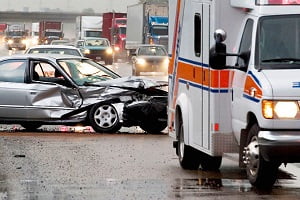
(239, 95)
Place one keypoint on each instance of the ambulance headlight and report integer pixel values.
(10, 41)
(280, 109)
(140, 61)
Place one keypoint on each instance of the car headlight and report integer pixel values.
(280, 109)
(24, 41)
(109, 51)
(86, 51)
(166, 62)
(140, 61)
(10, 41)
(117, 48)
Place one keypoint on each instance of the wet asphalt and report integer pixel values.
(131, 164)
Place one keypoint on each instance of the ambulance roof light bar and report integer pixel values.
(278, 2)
(250, 4)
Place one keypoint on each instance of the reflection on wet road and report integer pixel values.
(126, 165)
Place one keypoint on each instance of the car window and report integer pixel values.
(12, 71)
(46, 72)
(152, 51)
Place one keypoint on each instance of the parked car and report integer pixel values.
(150, 58)
(98, 49)
(70, 90)
(55, 49)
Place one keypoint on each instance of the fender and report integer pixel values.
(183, 103)
(82, 109)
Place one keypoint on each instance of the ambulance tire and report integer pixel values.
(211, 163)
(189, 158)
(261, 173)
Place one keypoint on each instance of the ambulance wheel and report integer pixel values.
(211, 163)
(104, 118)
(31, 126)
(261, 173)
(189, 158)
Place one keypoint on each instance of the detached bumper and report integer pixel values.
(283, 146)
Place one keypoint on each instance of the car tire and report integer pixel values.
(210, 163)
(104, 118)
(31, 126)
(261, 173)
(189, 158)
(155, 127)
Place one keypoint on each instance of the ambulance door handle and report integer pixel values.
(187, 85)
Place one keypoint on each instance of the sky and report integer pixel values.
(98, 6)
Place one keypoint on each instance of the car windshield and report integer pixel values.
(55, 51)
(152, 51)
(278, 42)
(85, 72)
(96, 42)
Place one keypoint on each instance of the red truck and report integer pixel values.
(114, 29)
(50, 30)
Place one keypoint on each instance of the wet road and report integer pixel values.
(127, 165)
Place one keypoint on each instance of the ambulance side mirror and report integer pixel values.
(217, 54)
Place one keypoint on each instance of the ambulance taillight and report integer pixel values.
(278, 2)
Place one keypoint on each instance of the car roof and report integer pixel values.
(95, 38)
(53, 46)
(41, 56)
(151, 45)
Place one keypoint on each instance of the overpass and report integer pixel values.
(29, 11)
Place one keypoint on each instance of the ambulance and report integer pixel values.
(234, 84)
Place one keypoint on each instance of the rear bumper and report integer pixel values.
(283, 146)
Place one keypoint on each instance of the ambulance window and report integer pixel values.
(246, 41)
(197, 34)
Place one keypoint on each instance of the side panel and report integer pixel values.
(135, 26)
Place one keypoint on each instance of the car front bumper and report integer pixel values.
(281, 145)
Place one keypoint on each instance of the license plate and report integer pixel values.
(98, 58)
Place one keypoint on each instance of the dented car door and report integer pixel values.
(50, 94)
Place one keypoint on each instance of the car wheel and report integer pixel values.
(261, 173)
(155, 127)
(104, 118)
(31, 126)
(189, 158)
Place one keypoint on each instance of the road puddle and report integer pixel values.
(233, 184)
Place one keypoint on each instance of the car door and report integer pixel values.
(12, 84)
(50, 93)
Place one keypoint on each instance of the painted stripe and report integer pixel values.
(251, 98)
(254, 77)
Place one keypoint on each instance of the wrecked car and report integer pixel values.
(38, 89)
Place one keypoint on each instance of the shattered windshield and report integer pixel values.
(85, 72)
(279, 42)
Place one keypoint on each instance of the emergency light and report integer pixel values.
(278, 2)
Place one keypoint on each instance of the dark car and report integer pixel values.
(98, 49)
(38, 89)
(150, 58)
